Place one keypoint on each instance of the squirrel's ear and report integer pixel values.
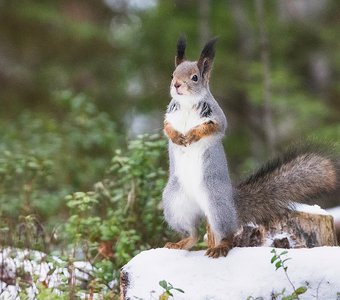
(206, 59)
(181, 44)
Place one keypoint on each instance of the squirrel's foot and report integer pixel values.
(221, 249)
(186, 243)
(173, 246)
(180, 140)
(217, 251)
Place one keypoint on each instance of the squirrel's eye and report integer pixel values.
(172, 76)
(194, 78)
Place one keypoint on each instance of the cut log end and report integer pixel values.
(298, 230)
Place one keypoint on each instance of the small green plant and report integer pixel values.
(132, 220)
(168, 287)
(280, 263)
(253, 298)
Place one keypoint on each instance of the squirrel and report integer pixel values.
(199, 185)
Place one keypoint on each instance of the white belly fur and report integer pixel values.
(188, 161)
(185, 119)
(188, 168)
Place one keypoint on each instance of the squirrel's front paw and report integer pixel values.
(175, 136)
(180, 139)
(200, 131)
(192, 137)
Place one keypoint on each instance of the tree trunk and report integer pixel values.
(204, 28)
(245, 109)
(265, 60)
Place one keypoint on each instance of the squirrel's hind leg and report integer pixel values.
(215, 248)
(182, 214)
(222, 248)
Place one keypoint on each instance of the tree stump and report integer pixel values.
(298, 230)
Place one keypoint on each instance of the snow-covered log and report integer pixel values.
(243, 273)
(246, 271)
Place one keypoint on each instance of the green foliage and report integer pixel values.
(127, 201)
(280, 263)
(106, 226)
(252, 298)
(168, 287)
(43, 158)
(20, 177)
(47, 294)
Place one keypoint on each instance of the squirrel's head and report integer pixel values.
(191, 78)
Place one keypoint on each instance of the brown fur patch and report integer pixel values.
(211, 237)
(201, 131)
(193, 135)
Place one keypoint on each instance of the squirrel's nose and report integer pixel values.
(177, 85)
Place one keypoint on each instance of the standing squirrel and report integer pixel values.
(199, 186)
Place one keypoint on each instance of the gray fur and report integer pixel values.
(222, 215)
(217, 113)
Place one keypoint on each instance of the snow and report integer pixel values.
(335, 212)
(244, 272)
(311, 209)
(269, 241)
(38, 269)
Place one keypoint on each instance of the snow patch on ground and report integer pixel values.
(244, 272)
(36, 268)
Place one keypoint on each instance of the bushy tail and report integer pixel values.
(297, 176)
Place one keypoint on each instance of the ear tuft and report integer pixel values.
(209, 49)
(181, 45)
(207, 56)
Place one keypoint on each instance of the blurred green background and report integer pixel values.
(80, 79)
